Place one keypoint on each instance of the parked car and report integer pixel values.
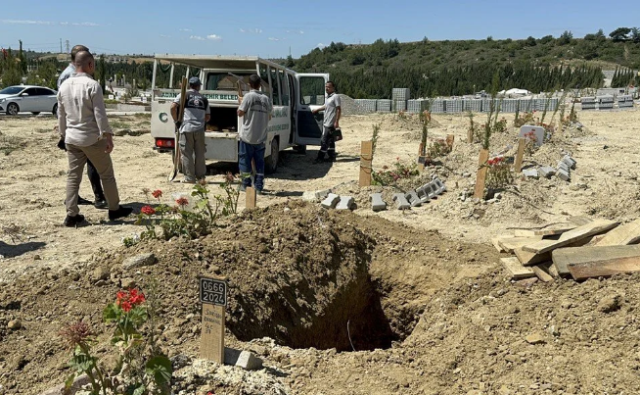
(28, 98)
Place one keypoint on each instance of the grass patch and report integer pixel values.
(9, 144)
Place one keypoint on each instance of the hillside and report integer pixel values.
(470, 65)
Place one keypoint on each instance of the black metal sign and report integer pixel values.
(213, 291)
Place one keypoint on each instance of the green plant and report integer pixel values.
(180, 221)
(438, 148)
(130, 241)
(400, 170)
(141, 369)
(499, 173)
(374, 139)
(530, 143)
(525, 119)
(500, 126)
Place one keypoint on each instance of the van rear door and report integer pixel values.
(310, 95)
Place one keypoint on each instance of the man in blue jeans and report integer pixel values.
(255, 109)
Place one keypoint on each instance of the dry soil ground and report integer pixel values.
(429, 308)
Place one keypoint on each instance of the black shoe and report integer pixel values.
(119, 213)
(101, 203)
(318, 160)
(331, 159)
(73, 221)
(84, 202)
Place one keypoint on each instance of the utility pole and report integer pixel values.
(68, 50)
(60, 45)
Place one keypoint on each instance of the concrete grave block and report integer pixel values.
(331, 201)
(322, 194)
(241, 359)
(564, 167)
(440, 185)
(377, 204)
(345, 203)
(413, 199)
(538, 131)
(563, 175)
(547, 171)
(401, 201)
(426, 192)
(569, 161)
(531, 173)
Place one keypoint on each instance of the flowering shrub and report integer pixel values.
(400, 170)
(531, 142)
(178, 220)
(499, 173)
(500, 126)
(438, 148)
(140, 370)
(525, 119)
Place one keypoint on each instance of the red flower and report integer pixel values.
(157, 194)
(183, 201)
(148, 210)
(129, 300)
(126, 306)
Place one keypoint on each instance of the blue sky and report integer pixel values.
(271, 28)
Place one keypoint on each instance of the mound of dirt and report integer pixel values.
(299, 274)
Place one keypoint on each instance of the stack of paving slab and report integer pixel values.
(414, 106)
(563, 171)
(474, 105)
(401, 94)
(625, 101)
(588, 103)
(526, 105)
(365, 106)
(509, 105)
(383, 105)
(400, 105)
(453, 106)
(413, 198)
(437, 106)
(605, 102)
(580, 248)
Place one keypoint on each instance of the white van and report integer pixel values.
(293, 95)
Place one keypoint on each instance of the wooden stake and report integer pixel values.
(366, 159)
(482, 173)
(470, 136)
(251, 197)
(519, 155)
(450, 139)
(212, 346)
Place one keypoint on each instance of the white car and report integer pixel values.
(28, 98)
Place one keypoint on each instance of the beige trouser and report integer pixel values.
(102, 161)
(190, 143)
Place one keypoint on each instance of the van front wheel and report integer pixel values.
(271, 162)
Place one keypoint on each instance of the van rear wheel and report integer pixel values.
(271, 162)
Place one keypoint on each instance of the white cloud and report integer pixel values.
(252, 31)
(165, 36)
(301, 32)
(276, 39)
(186, 30)
(26, 22)
(214, 37)
(321, 45)
(85, 24)
(199, 38)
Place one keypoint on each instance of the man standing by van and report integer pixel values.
(196, 115)
(255, 108)
(83, 124)
(332, 112)
(92, 173)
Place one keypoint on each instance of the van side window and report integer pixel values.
(286, 95)
(275, 86)
(312, 90)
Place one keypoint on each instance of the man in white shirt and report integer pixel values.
(92, 173)
(83, 124)
(332, 112)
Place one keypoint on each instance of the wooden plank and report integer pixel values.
(541, 274)
(511, 243)
(450, 140)
(564, 257)
(482, 174)
(572, 236)
(496, 243)
(555, 230)
(580, 220)
(531, 258)
(605, 268)
(553, 271)
(524, 233)
(622, 235)
(366, 160)
(251, 197)
(519, 156)
(515, 269)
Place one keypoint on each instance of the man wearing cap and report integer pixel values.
(196, 115)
